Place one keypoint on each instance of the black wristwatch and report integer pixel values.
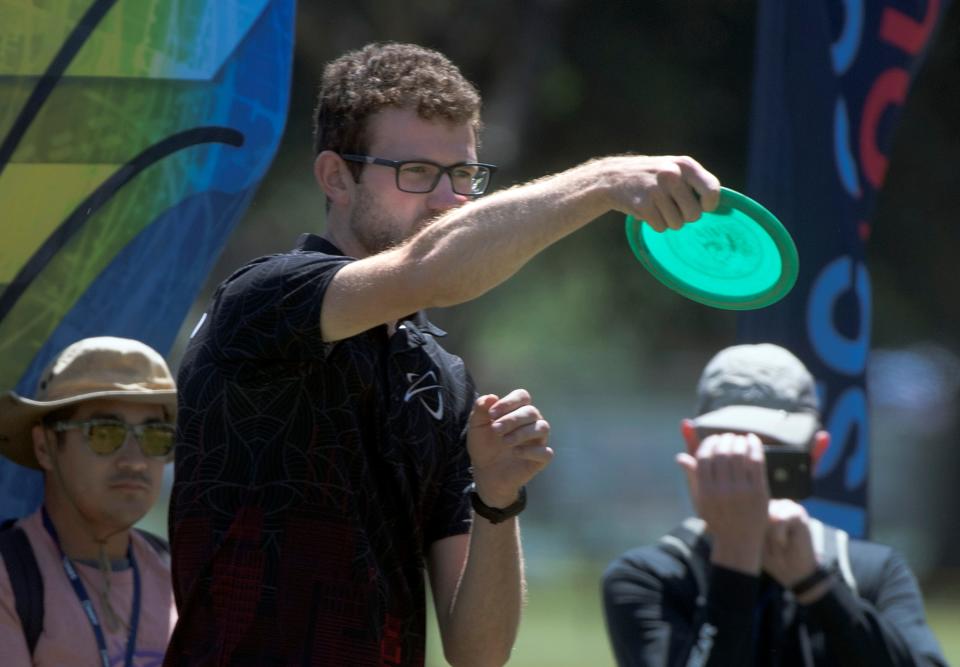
(497, 514)
(820, 574)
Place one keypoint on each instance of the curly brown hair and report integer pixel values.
(388, 75)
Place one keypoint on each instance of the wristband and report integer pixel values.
(820, 574)
(497, 514)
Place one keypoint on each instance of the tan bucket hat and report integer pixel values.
(90, 369)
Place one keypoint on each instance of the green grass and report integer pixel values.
(943, 613)
(563, 623)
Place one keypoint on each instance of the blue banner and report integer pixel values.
(133, 134)
(831, 78)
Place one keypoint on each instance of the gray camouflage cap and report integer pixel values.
(762, 389)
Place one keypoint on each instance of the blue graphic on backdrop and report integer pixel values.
(831, 78)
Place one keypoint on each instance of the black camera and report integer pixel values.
(789, 471)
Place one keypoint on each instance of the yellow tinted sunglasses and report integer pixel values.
(106, 436)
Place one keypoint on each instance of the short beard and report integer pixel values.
(375, 230)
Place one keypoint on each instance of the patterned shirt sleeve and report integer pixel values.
(270, 309)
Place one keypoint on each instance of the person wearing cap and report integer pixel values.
(754, 580)
(326, 437)
(78, 584)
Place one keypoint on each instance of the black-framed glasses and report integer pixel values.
(106, 436)
(422, 176)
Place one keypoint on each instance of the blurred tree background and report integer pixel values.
(609, 354)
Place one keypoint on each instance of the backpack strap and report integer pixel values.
(25, 580)
(832, 545)
(686, 543)
(160, 545)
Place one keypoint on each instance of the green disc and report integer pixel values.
(737, 257)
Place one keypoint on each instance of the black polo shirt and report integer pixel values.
(311, 477)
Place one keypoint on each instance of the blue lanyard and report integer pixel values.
(87, 605)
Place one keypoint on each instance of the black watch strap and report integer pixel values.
(497, 514)
(820, 574)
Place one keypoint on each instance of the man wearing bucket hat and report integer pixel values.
(79, 585)
(753, 580)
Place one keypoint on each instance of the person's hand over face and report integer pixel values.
(788, 554)
(665, 191)
(728, 483)
(507, 442)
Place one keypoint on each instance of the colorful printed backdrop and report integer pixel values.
(133, 134)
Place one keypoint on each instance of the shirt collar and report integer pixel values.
(419, 320)
(313, 243)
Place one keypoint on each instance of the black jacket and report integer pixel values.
(665, 605)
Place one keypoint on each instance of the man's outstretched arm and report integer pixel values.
(475, 247)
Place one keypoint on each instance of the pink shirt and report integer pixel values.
(67, 639)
